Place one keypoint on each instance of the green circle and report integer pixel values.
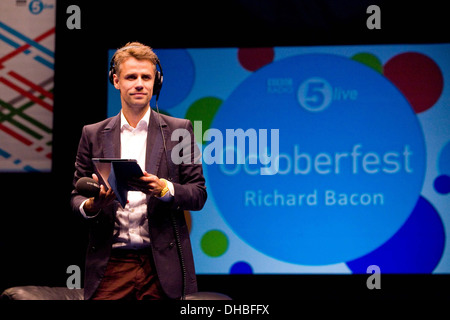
(369, 60)
(214, 243)
(203, 110)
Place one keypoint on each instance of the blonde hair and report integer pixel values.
(136, 50)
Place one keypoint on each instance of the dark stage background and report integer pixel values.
(40, 237)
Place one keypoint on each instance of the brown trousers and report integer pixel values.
(130, 275)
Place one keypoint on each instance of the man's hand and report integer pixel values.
(148, 184)
(104, 199)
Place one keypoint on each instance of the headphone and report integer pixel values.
(158, 74)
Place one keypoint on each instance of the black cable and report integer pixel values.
(180, 254)
(173, 218)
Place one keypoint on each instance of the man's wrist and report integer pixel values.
(165, 189)
(86, 209)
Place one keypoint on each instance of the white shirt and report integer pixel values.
(131, 229)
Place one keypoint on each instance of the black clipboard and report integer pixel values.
(116, 173)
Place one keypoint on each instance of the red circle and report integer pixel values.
(418, 77)
(254, 58)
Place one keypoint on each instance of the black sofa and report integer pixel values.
(64, 293)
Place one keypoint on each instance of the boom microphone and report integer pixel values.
(87, 187)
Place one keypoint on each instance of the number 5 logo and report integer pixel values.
(36, 6)
(315, 94)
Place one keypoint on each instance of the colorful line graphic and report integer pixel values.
(26, 89)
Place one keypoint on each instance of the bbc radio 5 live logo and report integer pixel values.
(350, 167)
(315, 94)
(37, 6)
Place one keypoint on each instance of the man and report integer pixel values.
(134, 252)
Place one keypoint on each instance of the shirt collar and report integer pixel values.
(143, 123)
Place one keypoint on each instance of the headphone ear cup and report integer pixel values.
(111, 76)
(112, 71)
(158, 83)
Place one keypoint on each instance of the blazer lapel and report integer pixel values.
(155, 144)
(154, 152)
(111, 138)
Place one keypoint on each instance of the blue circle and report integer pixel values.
(175, 88)
(406, 252)
(442, 184)
(241, 267)
(349, 175)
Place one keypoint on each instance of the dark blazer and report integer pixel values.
(102, 140)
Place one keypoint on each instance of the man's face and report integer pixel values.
(135, 81)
